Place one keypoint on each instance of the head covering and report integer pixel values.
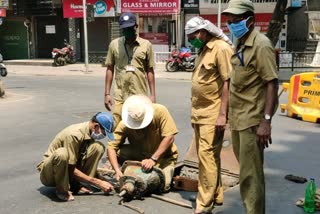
(238, 7)
(127, 19)
(105, 120)
(197, 23)
(137, 112)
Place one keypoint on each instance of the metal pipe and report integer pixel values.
(84, 3)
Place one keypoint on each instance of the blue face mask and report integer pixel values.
(99, 136)
(239, 29)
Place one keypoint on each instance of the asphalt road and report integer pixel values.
(37, 107)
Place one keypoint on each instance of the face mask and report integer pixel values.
(129, 33)
(97, 136)
(197, 43)
(239, 29)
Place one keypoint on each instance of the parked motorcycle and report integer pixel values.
(181, 60)
(63, 56)
(3, 69)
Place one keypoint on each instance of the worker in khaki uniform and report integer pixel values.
(209, 106)
(252, 101)
(149, 129)
(130, 61)
(73, 157)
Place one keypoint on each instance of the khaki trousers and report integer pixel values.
(167, 165)
(117, 112)
(250, 157)
(54, 169)
(209, 146)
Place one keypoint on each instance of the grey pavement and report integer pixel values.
(295, 149)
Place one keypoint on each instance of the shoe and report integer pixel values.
(65, 196)
(218, 202)
(202, 212)
(193, 198)
(296, 179)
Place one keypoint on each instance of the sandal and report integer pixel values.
(84, 191)
(65, 196)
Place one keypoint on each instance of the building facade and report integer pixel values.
(31, 29)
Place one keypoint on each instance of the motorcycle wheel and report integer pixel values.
(72, 60)
(172, 66)
(58, 61)
(3, 72)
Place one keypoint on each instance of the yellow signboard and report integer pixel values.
(4, 3)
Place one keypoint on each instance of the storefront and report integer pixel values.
(159, 21)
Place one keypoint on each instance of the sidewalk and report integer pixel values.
(44, 67)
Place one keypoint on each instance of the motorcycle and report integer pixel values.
(3, 69)
(64, 55)
(181, 60)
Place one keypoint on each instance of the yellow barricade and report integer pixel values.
(304, 96)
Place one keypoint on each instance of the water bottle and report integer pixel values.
(309, 203)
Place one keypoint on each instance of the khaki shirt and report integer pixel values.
(75, 138)
(146, 141)
(211, 70)
(130, 83)
(248, 81)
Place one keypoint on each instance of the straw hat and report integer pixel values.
(137, 112)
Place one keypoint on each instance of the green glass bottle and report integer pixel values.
(309, 203)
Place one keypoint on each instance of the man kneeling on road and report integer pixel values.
(73, 157)
(149, 129)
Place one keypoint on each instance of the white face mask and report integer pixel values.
(97, 136)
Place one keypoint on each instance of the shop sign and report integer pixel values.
(102, 8)
(262, 21)
(190, 4)
(3, 12)
(156, 38)
(150, 6)
(4, 3)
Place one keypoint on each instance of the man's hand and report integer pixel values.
(153, 99)
(118, 174)
(147, 164)
(264, 134)
(104, 186)
(221, 123)
(108, 102)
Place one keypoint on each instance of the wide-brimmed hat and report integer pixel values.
(127, 19)
(137, 112)
(238, 7)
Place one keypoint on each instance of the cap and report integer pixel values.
(105, 120)
(238, 7)
(137, 112)
(127, 19)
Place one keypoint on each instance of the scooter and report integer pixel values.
(63, 56)
(3, 69)
(181, 60)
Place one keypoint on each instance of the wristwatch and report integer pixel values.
(155, 160)
(267, 117)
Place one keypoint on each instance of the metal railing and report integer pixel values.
(294, 60)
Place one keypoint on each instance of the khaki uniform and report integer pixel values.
(144, 142)
(255, 67)
(129, 83)
(72, 146)
(212, 69)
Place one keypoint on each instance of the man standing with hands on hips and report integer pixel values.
(130, 61)
(252, 101)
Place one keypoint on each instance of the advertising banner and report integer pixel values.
(3, 12)
(150, 6)
(102, 8)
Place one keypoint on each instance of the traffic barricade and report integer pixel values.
(303, 97)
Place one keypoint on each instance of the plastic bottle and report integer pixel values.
(309, 203)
